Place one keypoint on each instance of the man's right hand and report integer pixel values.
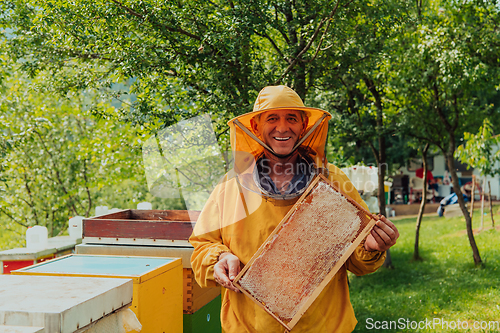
(226, 269)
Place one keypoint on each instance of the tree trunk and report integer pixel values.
(382, 169)
(491, 207)
(388, 260)
(456, 187)
(416, 255)
(299, 79)
(472, 195)
(381, 189)
(482, 202)
(381, 157)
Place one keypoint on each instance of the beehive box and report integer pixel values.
(157, 284)
(194, 297)
(58, 303)
(304, 252)
(141, 227)
(13, 259)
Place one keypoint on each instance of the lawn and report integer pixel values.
(445, 285)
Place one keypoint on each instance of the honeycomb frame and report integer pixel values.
(288, 315)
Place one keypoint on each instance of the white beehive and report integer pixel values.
(59, 303)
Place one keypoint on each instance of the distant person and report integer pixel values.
(452, 199)
(448, 200)
(446, 178)
(467, 190)
(431, 181)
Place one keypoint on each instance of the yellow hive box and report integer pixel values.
(157, 290)
(195, 297)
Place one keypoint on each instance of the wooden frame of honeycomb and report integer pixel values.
(305, 251)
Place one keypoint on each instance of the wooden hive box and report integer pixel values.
(195, 297)
(167, 230)
(304, 252)
(141, 227)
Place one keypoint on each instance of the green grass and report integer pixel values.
(445, 285)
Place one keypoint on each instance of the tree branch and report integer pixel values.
(280, 30)
(265, 35)
(426, 139)
(87, 213)
(217, 136)
(12, 218)
(31, 204)
(324, 33)
(58, 176)
(308, 45)
(320, 42)
(374, 151)
(457, 113)
(437, 108)
(142, 17)
(14, 231)
(76, 54)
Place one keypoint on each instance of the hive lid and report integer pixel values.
(54, 245)
(139, 269)
(60, 304)
(304, 252)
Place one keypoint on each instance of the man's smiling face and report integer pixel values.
(280, 129)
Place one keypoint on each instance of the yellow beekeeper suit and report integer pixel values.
(237, 218)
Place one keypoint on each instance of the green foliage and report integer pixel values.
(443, 285)
(481, 151)
(442, 87)
(57, 159)
(186, 57)
(12, 237)
(190, 57)
(357, 89)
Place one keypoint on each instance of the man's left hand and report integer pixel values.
(383, 235)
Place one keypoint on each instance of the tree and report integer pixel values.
(444, 89)
(367, 118)
(358, 91)
(369, 59)
(481, 151)
(57, 159)
(212, 56)
(416, 254)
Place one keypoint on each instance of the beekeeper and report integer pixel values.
(277, 150)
